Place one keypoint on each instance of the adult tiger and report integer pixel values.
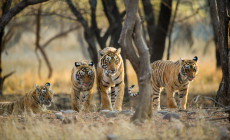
(33, 102)
(110, 74)
(173, 76)
(82, 77)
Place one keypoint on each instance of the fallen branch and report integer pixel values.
(205, 97)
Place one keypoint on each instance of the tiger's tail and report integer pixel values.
(132, 94)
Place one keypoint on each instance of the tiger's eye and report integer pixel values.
(82, 73)
(187, 66)
(43, 90)
(194, 68)
(89, 72)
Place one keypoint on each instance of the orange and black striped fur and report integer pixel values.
(173, 76)
(33, 102)
(110, 75)
(82, 77)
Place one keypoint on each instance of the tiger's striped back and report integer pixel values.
(173, 76)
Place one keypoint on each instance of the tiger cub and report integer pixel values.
(173, 76)
(33, 102)
(110, 75)
(82, 77)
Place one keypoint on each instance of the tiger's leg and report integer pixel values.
(105, 101)
(183, 94)
(87, 100)
(113, 96)
(170, 97)
(75, 97)
(120, 95)
(156, 98)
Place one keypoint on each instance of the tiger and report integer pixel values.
(33, 102)
(110, 75)
(82, 77)
(173, 76)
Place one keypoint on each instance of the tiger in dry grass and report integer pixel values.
(82, 77)
(173, 76)
(33, 102)
(110, 75)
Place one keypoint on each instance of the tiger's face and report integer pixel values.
(189, 68)
(44, 94)
(110, 61)
(84, 74)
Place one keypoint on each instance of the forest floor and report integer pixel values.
(174, 124)
(202, 120)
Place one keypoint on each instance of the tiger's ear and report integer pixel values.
(48, 85)
(180, 61)
(36, 87)
(77, 64)
(101, 53)
(91, 63)
(195, 58)
(118, 51)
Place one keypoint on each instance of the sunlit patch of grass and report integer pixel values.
(97, 126)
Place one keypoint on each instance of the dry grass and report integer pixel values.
(98, 126)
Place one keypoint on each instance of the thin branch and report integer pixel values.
(52, 14)
(4, 20)
(209, 98)
(37, 43)
(77, 14)
(192, 15)
(171, 28)
(8, 75)
(58, 36)
(205, 97)
(39, 64)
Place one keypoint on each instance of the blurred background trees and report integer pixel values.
(169, 26)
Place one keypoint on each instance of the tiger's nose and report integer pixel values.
(112, 70)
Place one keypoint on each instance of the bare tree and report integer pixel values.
(157, 33)
(215, 26)
(7, 14)
(171, 29)
(223, 93)
(132, 32)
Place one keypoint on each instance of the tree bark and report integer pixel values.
(6, 17)
(160, 33)
(150, 19)
(223, 94)
(88, 33)
(215, 26)
(171, 29)
(132, 32)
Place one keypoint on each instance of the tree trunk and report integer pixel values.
(149, 17)
(132, 32)
(223, 94)
(215, 26)
(160, 33)
(1, 48)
